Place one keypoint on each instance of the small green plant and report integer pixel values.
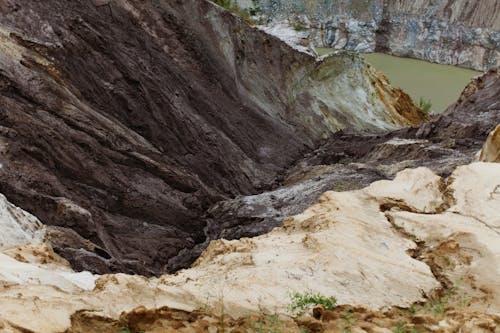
(412, 310)
(425, 105)
(267, 323)
(223, 3)
(349, 320)
(205, 306)
(438, 305)
(125, 327)
(300, 302)
(402, 327)
(454, 297)
(222, 315)
(299, 27)
(343, 186)
(232, 6)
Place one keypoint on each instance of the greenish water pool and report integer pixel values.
(439, 84)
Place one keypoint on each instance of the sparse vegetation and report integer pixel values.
(402, 327)
(124, 328)
(452, 298)
(205, 306)
(245, 13)
(216, 309)
(437, 306)
(425, 105)
(222, 315)
(399, 328)
(349, 320)
(300, 302)
(299, 27)
(267, 323)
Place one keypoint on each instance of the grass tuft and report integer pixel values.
(300, 302)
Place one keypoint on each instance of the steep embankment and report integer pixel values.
(352, 160)
(123, 121)
(456, 32)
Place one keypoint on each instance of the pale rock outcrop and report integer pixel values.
(467, 235)
(17, 226)
(491, 148)
(389, 244)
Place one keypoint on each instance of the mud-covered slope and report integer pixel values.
(123, 121)
(456, 32)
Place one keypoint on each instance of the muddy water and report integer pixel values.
(439, 84)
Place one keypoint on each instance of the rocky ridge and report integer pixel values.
(122, 122)
(459, 32)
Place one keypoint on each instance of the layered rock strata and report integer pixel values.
(122, 122)
(462, 33)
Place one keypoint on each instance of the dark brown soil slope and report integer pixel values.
(122, 122)
(138, 141)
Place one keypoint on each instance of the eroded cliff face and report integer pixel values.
(352, 160)
(122, 122)
(456, 32)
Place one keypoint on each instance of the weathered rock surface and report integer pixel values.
(491, 148)
(18, 227)
(352, 160)
(456, 32)
(393, 243)
(122, 122)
